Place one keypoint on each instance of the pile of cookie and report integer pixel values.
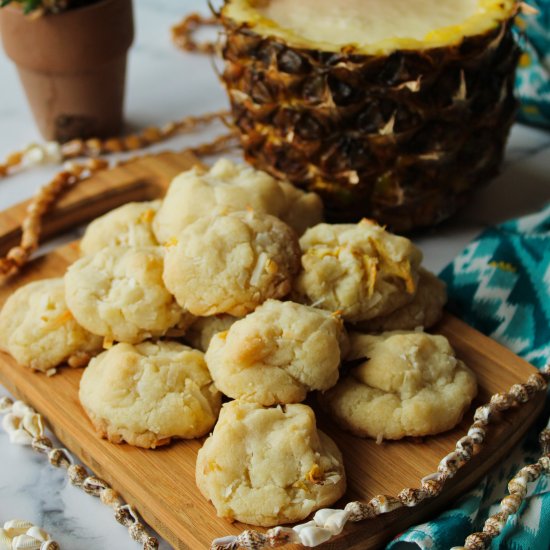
(233, 285)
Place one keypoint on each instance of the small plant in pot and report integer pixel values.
(71, 59)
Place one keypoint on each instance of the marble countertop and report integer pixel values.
(164, 84)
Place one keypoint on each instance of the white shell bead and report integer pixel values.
(311, 535)
(10, 422)
(19, 409)
(32, 422)
(20, 437)
(38, 534)
(25, 542)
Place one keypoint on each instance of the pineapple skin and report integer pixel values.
(403, 138)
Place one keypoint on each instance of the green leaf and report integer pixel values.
(31, 5)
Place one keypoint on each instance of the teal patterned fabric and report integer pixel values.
(533, 75)
(500, 284)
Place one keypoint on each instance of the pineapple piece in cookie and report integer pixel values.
(361, 270)
(424, 311)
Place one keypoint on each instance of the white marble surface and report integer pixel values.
(164, 84)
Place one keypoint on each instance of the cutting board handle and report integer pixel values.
(145, 178)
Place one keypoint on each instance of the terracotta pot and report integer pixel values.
(72, 66)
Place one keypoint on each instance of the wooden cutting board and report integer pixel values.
(160, 483)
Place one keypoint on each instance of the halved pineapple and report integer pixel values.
(394, 109)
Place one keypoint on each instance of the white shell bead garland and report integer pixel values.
(510, 504)
(18, 534)
(26, 427)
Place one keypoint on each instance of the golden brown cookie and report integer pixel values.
(268, 466)
(39, 331)
(149, 393)
(302, 209)
(360, 270)
(408, 384)
(231, 264)
(230, 187)
(129, 225)
(277, 353)
(118, 293)
(424, 311)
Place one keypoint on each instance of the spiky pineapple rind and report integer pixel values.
(403, 137)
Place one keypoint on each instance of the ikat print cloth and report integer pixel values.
(533, 74)
(500, 284)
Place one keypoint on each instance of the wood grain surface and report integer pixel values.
(145, 178)
(160, 483)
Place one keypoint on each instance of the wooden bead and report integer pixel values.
(93, 146)
(109, 497)
(77, 474)
(113, 145)
(14, 159)
(73, 148)
(510, 504)
(477, 541)
(152, 135)
(18, 255)
(132, 143)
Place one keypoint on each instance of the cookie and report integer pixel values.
(407, 384)
(302, 209)
(39, 331)
(360, 270)
(203, 329)
(118, 293)
(277, 353)
(268, 466)
(231, 264)
(129, 225)
(424, 311)
(149, 393)
(229, 187)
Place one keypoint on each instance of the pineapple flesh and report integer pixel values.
(394, 109)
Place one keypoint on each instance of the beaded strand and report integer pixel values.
(54, 153)
(511, 503)
(75, 173)
(26, 427)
